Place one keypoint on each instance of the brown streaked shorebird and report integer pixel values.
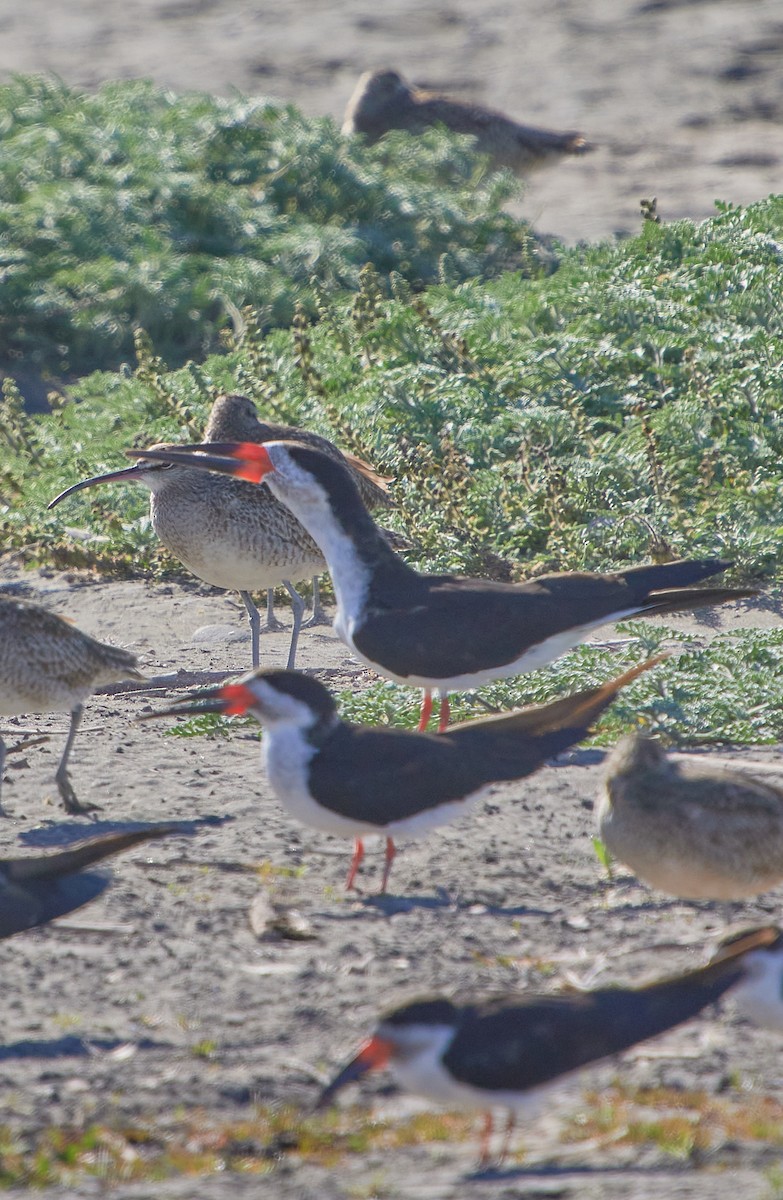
(35, 890)
(508, 1051)
(358, 781)
(690, 828)
(47, 665)
(383, 101)
(229, 533)
(234, 418)
(444, 632)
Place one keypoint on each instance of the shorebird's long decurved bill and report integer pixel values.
(373, 1054)
(243, 460)
(109, 477)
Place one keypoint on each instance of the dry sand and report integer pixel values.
(684, 97)
(104, 1013)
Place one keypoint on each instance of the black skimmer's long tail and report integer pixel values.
(35, 890)
(500, 1052)
(691, 827)
(354, 780)
(442, 631)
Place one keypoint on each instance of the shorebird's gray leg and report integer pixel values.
(2, 766)
(67, 793)
(255, 627)
(298, 607)
(272, 623)
(318, 616)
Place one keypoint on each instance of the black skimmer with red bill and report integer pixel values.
(34, 890)
(759, 997)
(356, 781)
(444, 632)
(505, 1052)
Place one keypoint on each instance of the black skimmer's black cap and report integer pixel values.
(35, 890)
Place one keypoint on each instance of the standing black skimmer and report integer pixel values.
(691, 828)
(759, 996)
(355, 780)
(444, 631)
(505, 1051)
(36, 890)
(47, 665)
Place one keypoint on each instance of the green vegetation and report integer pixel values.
(135, 208)
(625, 406)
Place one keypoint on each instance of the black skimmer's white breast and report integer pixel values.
(356, 781)
(689, 827)
(444, 632)
(34, 890)
(47, 665)
(503, 1052)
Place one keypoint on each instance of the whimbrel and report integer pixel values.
(692, 829)
(229, 533)
(358, 781)
(36, 889)
(234, 418)
(47, 665)
(444, 631)
(383, 101)
(507, 1051)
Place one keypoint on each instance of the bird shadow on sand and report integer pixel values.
(495, 1175)
(65, 833)
(390, 905)
(72, 1046)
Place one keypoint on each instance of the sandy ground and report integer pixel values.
(105, 1011)
(684, 97)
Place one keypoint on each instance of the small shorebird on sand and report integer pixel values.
(444, 631)
(358, 781)
(506, 1052)
(36, 890)
(46, 665)
(234, 418)
(759, 997)
(691, 828)
(383, 101)
(228, 533)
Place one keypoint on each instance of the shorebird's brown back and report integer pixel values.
(234, 418)
(383, 101)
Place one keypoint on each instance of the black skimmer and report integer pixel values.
(442, 631)
(759, 996)
(504, 1052)
(356, 781)
(691, 828)
(47, 665)
(383, 101)
(36, 890)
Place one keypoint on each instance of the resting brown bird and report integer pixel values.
(383, 101)
(691, 828)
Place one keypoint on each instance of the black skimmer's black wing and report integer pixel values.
(35, 890)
